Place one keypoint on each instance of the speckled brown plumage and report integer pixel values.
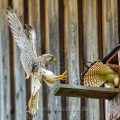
(98, 74)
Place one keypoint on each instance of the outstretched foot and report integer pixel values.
(63, 76)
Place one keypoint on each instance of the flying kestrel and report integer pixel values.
(34, 66)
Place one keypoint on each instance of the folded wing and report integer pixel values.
(96, 74)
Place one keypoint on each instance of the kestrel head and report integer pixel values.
(47, 59)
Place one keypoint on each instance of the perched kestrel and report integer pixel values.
(34, 66)
(100, 73)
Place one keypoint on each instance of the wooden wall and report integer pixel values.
(76, 32)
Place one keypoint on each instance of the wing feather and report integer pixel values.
(32, 37)
(27, 55)
(94, 76)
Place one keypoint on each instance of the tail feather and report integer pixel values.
(29, 116)
(33, 103)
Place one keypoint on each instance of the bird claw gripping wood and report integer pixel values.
(63, 76)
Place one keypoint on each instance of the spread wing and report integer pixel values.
(27, 55)
(94, 76)
(32, 37)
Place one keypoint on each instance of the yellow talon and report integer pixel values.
(63, 76)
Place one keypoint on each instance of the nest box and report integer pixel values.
(92, 92)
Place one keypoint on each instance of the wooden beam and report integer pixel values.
(5, 108)
(71, 45)
(85, 91)
(52, 47)
(18, 73)
(61, 11)
(91, 51)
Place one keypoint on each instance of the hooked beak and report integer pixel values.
(54, 59)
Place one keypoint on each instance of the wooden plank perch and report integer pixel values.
(85, 91)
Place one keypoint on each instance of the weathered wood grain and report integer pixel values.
(81, 52)
(110, 25)
(52, 47)
(90, 51)
(85, 91)
(5, 61)
(72, 54)
(110, 40)
(100, 49)
(2, 101)
(12, 80)
(19, 74)
(118, 15)
(34, 20)
(62, 54)
(2, 113)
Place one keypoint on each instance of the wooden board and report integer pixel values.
(91, 52)
(71, 43)
(84, 91)
(52, 47)
(18, 73)
(5, 108)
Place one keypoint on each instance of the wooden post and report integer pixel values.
(2, 101)
(91, 51)
(19, 74)
(52, 47)
(72, 54)
(5, 113)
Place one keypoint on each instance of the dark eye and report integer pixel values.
(51, 58)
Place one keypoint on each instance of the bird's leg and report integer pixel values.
(63, 76)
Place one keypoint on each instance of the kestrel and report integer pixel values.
(100, 73)
(34, 66)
